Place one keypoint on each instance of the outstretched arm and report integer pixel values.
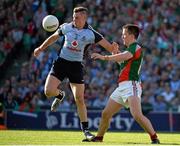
(116, 57)
(113, 48)
(50, 40)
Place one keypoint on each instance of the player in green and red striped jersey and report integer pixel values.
(130, 68)
(129, 91)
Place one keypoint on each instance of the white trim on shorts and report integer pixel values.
(125, 90)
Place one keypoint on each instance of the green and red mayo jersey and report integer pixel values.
(130, 69)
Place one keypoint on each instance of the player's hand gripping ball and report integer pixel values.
(50, 23)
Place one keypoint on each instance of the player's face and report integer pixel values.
(79, 19)
(126, 37)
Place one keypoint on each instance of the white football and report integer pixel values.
(50, 23)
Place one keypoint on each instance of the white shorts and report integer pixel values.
(125, 90)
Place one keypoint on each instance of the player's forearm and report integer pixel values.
(48, 42)
(118, 57)
(109, 48)
(115, 57)
(105, 44)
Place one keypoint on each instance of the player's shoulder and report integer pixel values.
(65, 27)
(89, 27)
(135, 45)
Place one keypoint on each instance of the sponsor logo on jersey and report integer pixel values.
(74, 43)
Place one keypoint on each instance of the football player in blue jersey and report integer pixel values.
(78, 34)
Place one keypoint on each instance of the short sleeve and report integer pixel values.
(62, 29)
(59, 31)
(98, 36)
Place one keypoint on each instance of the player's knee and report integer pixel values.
(79, 101)
(137, 116)
(47, 92)
(105, 114)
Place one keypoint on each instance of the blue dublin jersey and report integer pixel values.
(76, 40)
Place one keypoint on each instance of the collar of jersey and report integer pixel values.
(85, 26)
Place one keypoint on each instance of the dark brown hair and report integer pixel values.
(132, 29)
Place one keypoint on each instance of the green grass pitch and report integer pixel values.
(29, 137)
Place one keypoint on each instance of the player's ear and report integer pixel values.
(85, 16)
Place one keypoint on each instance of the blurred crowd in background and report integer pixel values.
(21, 32)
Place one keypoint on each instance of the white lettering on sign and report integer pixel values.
(64, 121)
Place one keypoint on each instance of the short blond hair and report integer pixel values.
(80, 9)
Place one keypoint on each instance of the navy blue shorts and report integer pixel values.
(72, 70)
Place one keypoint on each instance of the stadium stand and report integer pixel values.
(21, 32)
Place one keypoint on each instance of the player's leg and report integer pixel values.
(76, 78)
(136, 111)
(115, 103)
(51, 86)
(51, 90)
(111, 108)
(56, 75)
(78, 92)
